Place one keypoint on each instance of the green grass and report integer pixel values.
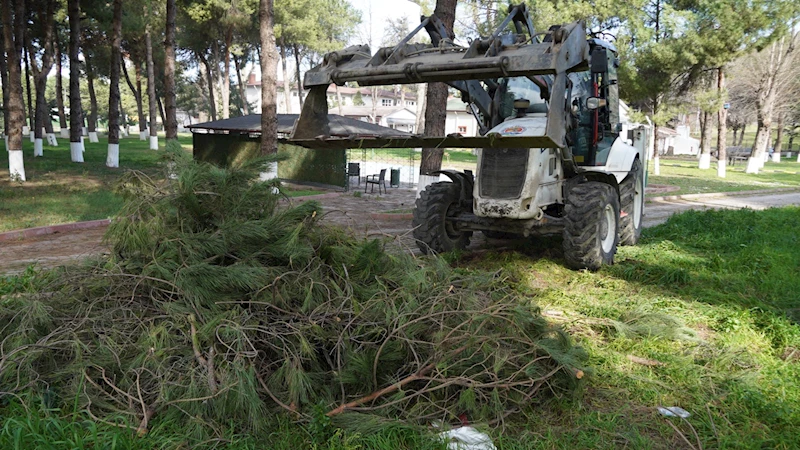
(684, 174)
(60, 191)
(703, 314)
(710, 300)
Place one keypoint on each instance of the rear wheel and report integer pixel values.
(591, 230)
(631, 194)
(432, 230)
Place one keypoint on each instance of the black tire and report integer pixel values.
(631, 196)
(591, 230)
(432, 231)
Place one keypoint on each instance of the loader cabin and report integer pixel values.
(593, 104)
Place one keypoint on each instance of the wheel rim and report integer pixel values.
(638, 203)
(607, 227)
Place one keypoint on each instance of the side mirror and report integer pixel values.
(593, 103)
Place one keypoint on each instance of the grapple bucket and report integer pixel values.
(470, 69)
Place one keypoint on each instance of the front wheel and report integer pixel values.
(432, 230)
(591, 230)
(631, 194)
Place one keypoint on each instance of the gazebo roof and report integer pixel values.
(339, 126)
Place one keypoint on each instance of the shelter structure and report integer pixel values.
(229, 142)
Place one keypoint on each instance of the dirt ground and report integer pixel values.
(364, 216)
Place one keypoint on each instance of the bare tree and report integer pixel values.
(171, 125)
(768, 78)
(12, 38)
(112, 158)
(46, 11)
(75, 110)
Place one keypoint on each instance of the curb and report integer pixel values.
(16, 235)
(721, 194)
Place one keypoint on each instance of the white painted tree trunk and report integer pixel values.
(153, 142)
(16, 165)
(776, 157)
(38, 147)
(753, 165)
(123, 131)
(26, 129)
(798, 157)
(270, 173)
(84, 131)
(51, 140)
(705, 161)
(93, 137)
(424, 182)
(64, 133)
(112, 160)
(656, 165)
(76, 151)
(32, 135)
(722, 166)
(143, 135)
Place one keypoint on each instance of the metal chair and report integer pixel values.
(379, 179)
(353, 170)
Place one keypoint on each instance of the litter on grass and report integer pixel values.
(673, 411)
(467, 438)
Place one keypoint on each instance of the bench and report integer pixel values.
(737, 154)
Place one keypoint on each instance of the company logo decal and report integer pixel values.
(514, 130)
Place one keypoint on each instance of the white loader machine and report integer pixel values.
(551, 158)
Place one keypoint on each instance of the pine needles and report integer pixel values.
(220, 305)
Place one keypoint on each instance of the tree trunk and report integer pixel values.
(75, 110)
(92, 125)
(151, 91)
(31, 113)
(419, 126)
(735, 131)
(212, 105)
(171, 123)
(287, 90)
(62, 115)
(705, 141)
(779, 138)
(12, 37)
(741, 136)
(226, 76)
(269, 65)
(722, 131)
(297, 74)
(161, 110)
(244, 105)
(436, 110)
(114, 103)
(4, 80)
(761, 142)
(338, 98)
(137, 95)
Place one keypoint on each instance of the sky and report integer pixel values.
(374, 16)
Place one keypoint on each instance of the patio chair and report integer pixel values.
(379, 179)
(353, 170)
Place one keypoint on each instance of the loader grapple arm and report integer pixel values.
(474, 70)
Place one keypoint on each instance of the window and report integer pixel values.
(411, 103)
(386, 102)
(462, 129)
(294, 93)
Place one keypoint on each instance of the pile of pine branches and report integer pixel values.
(221, 304)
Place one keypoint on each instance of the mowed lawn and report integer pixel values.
(684, 174)
(60, 191)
